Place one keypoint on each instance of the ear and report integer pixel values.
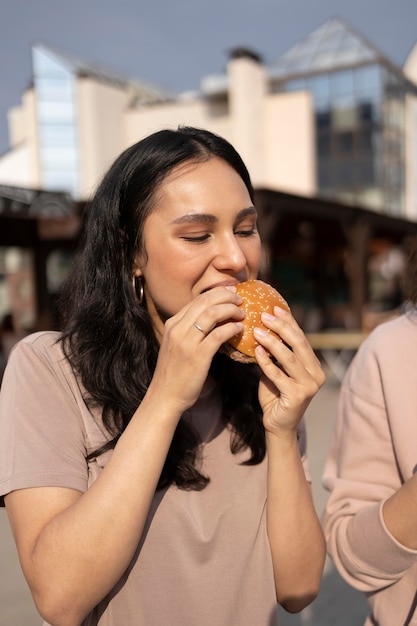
(137, 267)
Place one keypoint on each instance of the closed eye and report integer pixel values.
(196, 239)
(246, 233)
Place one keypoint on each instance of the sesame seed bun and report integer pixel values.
(258, 297)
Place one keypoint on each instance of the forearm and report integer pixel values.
(294, 531)
(83, 550)
(400, 514)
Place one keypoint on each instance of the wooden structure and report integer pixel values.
(310, 231)
(42, 222)
(316, 233)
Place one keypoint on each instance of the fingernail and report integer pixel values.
(279, 311)
(260, 351)
(267, 317)
(260, 332)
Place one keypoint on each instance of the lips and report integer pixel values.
(224, 283)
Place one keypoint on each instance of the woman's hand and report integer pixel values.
(286, 387)
(190, 340)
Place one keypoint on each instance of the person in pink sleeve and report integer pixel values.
(370, 520)
(148, 478)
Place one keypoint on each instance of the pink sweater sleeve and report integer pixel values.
(373, 452)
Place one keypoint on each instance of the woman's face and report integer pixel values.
(201, 234)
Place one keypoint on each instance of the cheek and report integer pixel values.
(170, 277)
(254, 255)
(167, 261)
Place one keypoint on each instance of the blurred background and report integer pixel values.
(320, 99)
(324, 116)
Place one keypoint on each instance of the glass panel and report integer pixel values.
(323, 119)
(323, 144)
(341, 83)
(367, 79)
(46, 65)
(343, 174)
(56, 157)
(57, 134)
(319, 86)
(325, 174)
(343, 143)
(344, 117)
(54, 89)
(59, 180)
(366, 111)
(53, 112)
(366, 141)
(295, 85)
(57, 121)
(364, 168)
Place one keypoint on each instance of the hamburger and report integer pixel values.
(257, 297)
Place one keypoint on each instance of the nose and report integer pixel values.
(230, 256)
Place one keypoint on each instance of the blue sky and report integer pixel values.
(174, 43)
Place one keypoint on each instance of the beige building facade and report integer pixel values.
(273, 133)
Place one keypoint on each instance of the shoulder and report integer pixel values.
(403, 327)
(392, 339)
(40, 341)
(39, 357)
(45, 344)
(387, 353)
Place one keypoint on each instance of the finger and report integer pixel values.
(293, 391)
(214, 316)
(284, 325)
(213, 297)
(299, 364)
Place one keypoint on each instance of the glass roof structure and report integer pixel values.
(333, 46)
(143, 93)
(359, 102)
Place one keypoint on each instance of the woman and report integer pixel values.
(370, 520)
(164, 482)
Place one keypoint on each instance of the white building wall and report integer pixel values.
(290, 162)
(411, 157)
(272, 132)
(101, 109)
(142, 122)
(31, 118)
(247, 89)
(410, 70)
(17, 126)
(15, 168)
(20, 165)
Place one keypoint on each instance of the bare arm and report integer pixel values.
(74, 547)
(294, 530)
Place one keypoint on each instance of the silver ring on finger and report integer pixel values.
(198, 327)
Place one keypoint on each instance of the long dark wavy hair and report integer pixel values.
(108, 336)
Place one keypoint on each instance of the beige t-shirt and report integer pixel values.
(204, 558)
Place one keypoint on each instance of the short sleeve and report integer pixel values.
(42, 437)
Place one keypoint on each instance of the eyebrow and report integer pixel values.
(209, 218)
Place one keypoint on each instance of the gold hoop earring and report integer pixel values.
(138, 289)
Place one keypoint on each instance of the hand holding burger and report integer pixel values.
(257, 297)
